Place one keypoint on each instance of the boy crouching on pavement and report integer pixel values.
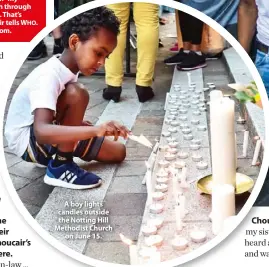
(45, 117)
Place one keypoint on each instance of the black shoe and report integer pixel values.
(192, 61)
(112, 93)
(176, 59)
(211, 56)
(144, 93)
(38, 52)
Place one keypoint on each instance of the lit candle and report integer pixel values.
(188, 136)
(183, 111)
(197, 157)
(171, 139)
(179, 164)
(223, 205)
(162, 173)
(132, 250)
(173, 144)
(172, 150)
(163, 163)
(175, 123)
(183, 126)
(256, 152)
(169, 156)
(186, 131)
(161, 188)
(172, 129)
(154, 240)
(148, 230)
(158, 196)
(198, 236)
(183, 155)
(202, 165)
(179, 243)
(156, 208)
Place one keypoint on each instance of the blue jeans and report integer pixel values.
(262, 65)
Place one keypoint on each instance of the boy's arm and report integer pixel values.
(47, 133)
(247, 16)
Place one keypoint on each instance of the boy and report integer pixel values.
(46, 113)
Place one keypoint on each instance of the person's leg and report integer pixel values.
(114, 64)
(147, 26)
(262, 65)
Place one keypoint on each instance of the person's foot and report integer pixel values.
(144, 93)
(176, 59)
(71, 176)
(192, 61)
(210, 56)
(38, 52)
(112, 93)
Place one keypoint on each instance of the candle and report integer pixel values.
(198, 92)
(196, 142)
(172, 109)
(183, 118)
(191, 89)
(173, 96)
(245, 143)
(197, 157)
(202, 109)
(186, 131)
(166, 101)
(183, 175)
(195, 122)
(172, 101)
(175, 123)
(171, 139)
(183, 111)
(177, 86)
(188, 136)
(148, 230)
(202, 165)
(182, 97)
(162, 180)
(179, 164)
(154, 240)
(156, 208)
(195, 102)
(256, 152)
(212, 86)
(171, 117)
(241, 120)
(158, 222)
(132, 250)
(162, 173)
(196, 113)
(223, 205)
(161, 188)
(167, 121)
(185, 101)
(158, 196)
(155, 148)
(172, 129)
(189, 79)
(169, 156)
(173, 144)
(193, 85)
(179, 243)
(183, 126)
(186, 105)
(215, 95)
(195, 147)
(198, 236)
(172, 150)
(179, 224)
(223, 139)
(201, 128)
(163, 163)
(183, 155)
(205, 89)
(195, 97)
(173, 112)
(166, 134)
(175, 186)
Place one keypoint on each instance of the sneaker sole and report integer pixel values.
(171, 64)
(59, 183)
(194, 68)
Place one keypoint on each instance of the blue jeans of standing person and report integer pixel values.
(262, 65)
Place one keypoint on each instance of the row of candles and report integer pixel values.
(168, 169)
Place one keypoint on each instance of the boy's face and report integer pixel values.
(91, 54)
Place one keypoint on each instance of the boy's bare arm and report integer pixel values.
(247, 16)
(47, 133)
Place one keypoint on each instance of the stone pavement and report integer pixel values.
(122, 193)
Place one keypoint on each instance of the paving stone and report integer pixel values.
(27, 170)
(244, 166)
(112, 252)
(131, 168)
(32, 209)
(149, 113)
(11, 159)
(131, 204)
(128, 184)
(19, 182)
(153, 139)
(39, 192)
(154, 105)
(138, 153)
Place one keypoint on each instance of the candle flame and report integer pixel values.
(125, 240)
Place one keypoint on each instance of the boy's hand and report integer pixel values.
(113, 128)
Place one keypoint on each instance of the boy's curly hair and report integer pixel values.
(88, 23)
